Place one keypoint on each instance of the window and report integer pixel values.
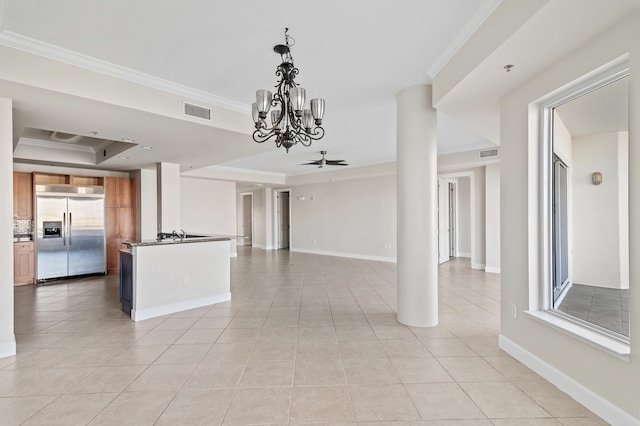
(585, 210)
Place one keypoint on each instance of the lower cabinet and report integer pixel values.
(126, 281)
(24, 263)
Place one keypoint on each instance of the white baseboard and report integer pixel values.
(172, 308)
(585, 396)
(459, 254)
(477, 266)
(8, 348)
(264, 247)
(492, 269)
(235, 254)
(347, 255)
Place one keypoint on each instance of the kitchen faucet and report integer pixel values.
(177, 235)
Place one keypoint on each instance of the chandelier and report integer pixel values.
(291, 123)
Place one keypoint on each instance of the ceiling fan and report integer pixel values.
(324, 162)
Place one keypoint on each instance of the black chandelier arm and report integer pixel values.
(260, 135)
(315, 134)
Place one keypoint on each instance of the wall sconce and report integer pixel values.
(596, 178)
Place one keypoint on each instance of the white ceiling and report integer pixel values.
(356, 54)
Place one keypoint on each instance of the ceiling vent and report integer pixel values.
(197, 111)
(489, 153)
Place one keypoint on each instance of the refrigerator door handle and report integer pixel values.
(70, 226)
(64, 228)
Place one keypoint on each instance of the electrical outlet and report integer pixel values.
(514, 310)
(186, 280)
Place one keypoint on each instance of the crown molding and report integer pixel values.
(481, 15)
(40, 48)
(56, 145)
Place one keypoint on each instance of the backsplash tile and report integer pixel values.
(22, 227)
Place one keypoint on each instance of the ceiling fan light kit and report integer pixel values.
(292, 123)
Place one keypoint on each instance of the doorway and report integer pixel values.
(282, 219)
(247, 220)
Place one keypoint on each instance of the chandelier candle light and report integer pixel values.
(292, 123)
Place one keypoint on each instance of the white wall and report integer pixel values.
(351, 218)
(562, 141)
(595, 220)
(492, 208)
(602, 381)
(7, 338)
(208, 207)
(464, 218)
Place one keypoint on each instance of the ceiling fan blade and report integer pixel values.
(335, 162)
(313, 163)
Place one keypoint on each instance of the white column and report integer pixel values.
(492, 218)
(7, 339)
(147, 204)
(417, 163)
(168, 197)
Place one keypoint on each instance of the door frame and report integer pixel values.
(472, 213)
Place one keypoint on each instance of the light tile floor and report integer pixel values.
(306, 339)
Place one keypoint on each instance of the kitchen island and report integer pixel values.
(170, 275)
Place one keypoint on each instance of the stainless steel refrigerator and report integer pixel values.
(70, 231)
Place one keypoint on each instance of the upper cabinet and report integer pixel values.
(72, 180)
(119, 192)
(22, 195)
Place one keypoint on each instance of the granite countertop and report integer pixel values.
(191, 238)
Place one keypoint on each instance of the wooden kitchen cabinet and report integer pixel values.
(119, 192)
(24, 263)
(22, 195)
(120, 218)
